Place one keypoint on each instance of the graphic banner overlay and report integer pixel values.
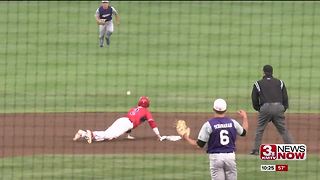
(283, 152)
(272, 167)
(269, 167)
(282, 167)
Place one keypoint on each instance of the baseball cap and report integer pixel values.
(220, 105)
(104, 1)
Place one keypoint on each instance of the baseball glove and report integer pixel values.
(101, 22)
(182, 128)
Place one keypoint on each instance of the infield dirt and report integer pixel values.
(52, 133)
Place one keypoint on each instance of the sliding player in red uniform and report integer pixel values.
(131, 120)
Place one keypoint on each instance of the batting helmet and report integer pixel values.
(144, 101)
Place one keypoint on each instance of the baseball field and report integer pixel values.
(55, 79)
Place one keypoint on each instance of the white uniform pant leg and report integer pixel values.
(109, 27)
(230, 166)
(223, 166)
(102, 30)
(119, 127)
(216, 167)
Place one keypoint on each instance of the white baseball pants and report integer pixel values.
(104, 29)
(119, 127)
(223, 166)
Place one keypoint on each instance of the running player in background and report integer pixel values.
(133, 119)
(104, 20)
(220, 134)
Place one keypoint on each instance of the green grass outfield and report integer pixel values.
(181, 54)
(157, 166)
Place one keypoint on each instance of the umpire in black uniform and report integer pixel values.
(270, 99)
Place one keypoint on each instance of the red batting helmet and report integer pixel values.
(144, 101)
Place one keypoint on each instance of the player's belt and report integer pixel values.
(273, 103)
(221, 152)
(129, 119)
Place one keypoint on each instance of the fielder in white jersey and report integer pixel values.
(104, 19)
(220, 133)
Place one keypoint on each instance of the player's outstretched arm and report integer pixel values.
(97, 18)
(117, 19)
(190, 140)
(199, 144)
(244, 116)
(156, 131)
(154, 126)
(184, 131)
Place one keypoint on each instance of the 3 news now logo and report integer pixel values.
(283, 152)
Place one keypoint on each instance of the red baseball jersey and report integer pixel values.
(140, 114)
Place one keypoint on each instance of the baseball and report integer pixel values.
(128, 93)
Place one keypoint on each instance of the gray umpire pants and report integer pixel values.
(271, 112)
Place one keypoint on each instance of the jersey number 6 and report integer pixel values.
(224, 138)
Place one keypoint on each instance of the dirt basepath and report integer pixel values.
(30, 134)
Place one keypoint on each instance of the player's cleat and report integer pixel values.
(254, 152)
(78, 135)
(130, 137)
(101, 42)
(108, 41)
(89, 136)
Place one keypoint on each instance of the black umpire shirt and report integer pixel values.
(269, 90)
